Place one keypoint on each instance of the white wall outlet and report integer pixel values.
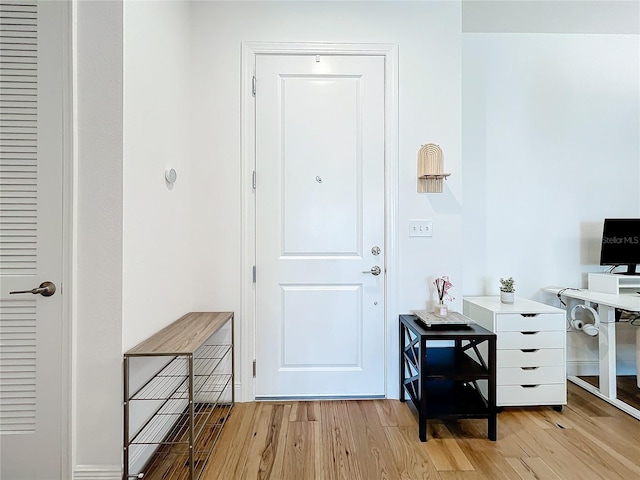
(420, 228)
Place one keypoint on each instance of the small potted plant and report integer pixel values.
(507, 290)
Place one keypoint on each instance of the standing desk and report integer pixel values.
(607, 304)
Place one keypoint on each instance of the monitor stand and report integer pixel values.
(631, 270)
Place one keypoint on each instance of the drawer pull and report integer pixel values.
(529, 333)
(529, 386)
(529, 368)
(529, 350)
(529, 315)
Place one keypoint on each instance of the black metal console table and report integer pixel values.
(442, 381)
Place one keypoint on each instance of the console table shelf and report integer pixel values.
(451, 400)
(442, 382)
(173, 419)
(451, 362)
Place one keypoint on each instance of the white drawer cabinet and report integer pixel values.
(531, 354)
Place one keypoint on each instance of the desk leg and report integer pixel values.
(607, 351)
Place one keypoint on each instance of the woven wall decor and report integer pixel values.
(430, 169)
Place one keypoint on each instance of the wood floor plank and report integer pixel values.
(549, 444)
(366, 413)
(302, 451)
(487, 459)
(532, 468)
(394, 413)
(305, 411)
(272, 458)
(445, 452)
(371, 441)
(412, 460)
(545, 418)
(378, 439)
(259, 451)
(228, 455)
(339, 459)
(599, 455)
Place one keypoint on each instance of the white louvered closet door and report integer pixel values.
(31, 122)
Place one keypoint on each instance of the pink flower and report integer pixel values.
(443, 285)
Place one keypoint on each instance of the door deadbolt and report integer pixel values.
(375, 251)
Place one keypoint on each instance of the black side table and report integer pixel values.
(442, 381)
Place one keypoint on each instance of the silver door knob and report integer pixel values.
(46, 289)
(375, 270)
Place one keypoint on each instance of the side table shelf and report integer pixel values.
(442, 382)
(174, 417)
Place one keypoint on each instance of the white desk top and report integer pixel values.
(520, 305)
(625, 301)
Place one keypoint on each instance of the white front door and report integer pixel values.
(31, 344)
(320, 226)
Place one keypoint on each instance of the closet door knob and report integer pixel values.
(46, 289)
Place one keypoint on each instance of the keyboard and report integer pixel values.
(453, 320)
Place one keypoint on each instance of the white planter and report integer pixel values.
(507, 297)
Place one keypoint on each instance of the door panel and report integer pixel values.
(319, 212)
(328, 314)
(31, 239)
(322, 212)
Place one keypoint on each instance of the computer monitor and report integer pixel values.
(621, 243)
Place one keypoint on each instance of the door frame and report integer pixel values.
(247, 330)
(69, 229)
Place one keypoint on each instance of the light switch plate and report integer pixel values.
(420, 228)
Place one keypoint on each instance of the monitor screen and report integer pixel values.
(621, 243)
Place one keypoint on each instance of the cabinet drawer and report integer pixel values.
(531, 375)
(532, 357)
(515, 322)
(530, 339)
(554, 394)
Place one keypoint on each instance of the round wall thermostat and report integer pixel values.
(170, 175)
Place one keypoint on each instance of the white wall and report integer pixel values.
(551, 145)
(553, 16)
(158, 220)
(428, 36)
(205, 205)
(550, 138)
(97, 375)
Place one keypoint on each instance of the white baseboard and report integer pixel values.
(97, 472)
(577, 368)
(237, 391)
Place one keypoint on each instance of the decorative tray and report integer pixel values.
(428, 319)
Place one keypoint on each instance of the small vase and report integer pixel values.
(441, 309)
(507, 297)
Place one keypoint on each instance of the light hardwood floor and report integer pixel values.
(627, 388)
(378, 439)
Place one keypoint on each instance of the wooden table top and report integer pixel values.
(182, 337)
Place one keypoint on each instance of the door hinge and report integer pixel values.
(254, 368)
(253, 85)
(254, 180)
(254, 274)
